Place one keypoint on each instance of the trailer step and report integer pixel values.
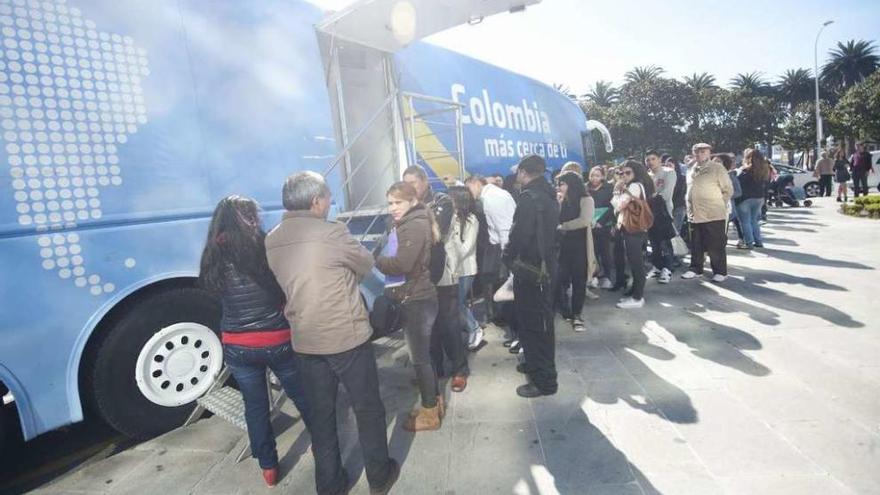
(226, 403)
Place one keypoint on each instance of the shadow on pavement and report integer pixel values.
(803, 258)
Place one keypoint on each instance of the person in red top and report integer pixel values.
(256, 334)
(860, 163)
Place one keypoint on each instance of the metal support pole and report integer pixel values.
(819, 133)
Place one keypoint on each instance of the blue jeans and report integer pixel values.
(749, 213)
(467, 316)
(248, 366)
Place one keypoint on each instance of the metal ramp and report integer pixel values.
(227, 403)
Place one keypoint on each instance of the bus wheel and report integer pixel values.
(156, 361)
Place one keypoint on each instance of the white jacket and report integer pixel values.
(465, 244)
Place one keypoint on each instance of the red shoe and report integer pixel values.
(271, 476)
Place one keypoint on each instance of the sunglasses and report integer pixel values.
(623, 172)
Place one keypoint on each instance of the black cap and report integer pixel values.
(532, 165)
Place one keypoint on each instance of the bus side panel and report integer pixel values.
(189, 128)
(506, 115)
(263, 102)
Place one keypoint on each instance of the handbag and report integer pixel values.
(637, 216)
(386, 317)
(505, 292)
(679, 247)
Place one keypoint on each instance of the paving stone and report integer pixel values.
(102, 476)
(168, 472)
(783, 485)
(494, 457)
(729, 439)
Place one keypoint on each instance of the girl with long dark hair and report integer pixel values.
(753, 178)
(465, 230)
(633, 182)
(575, 219)
(255, 332)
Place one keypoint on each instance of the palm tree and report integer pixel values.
(603, 94)
(850, 63)
(564, 89)
(643, 74)
(700, 82)
(753, 82)
(795, 86)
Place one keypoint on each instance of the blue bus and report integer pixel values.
(125, 121)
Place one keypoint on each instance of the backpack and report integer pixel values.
(637, 216)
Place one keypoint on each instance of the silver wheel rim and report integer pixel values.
(178, 364)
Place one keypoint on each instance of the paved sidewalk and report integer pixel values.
(768, 383)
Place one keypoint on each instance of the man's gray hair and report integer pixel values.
(301, 189)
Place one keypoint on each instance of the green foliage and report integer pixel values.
(849, 64)
(858, 111)
(867, 200)
(796, 86)
(653, 111)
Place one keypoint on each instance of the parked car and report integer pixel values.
(802, 178)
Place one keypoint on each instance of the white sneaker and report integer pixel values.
(665, 276)
(594, 283)
(652, 273)
(631, 303)
(605, 283)
(689, 275)
(719, 278)
(476, 338)
(590, 294)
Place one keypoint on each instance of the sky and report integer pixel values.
(579, 42)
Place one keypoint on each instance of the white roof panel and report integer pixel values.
(390, 25)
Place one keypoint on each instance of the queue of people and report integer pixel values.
(529, 248)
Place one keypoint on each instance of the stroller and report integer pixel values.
(782, 191)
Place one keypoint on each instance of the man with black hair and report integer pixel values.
(531, 256)
(665, 180)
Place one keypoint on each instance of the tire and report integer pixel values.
(811, 189)
(115, 375)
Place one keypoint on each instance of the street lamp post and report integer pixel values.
(816, 78)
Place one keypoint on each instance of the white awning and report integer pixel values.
(390, 25)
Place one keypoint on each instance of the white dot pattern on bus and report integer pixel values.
(69, 95)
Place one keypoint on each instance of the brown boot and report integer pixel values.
(441, 404)
(428, 418)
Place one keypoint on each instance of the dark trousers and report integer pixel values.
(825, 185)
(418, 323)
(446, 336)
(534, 315)
(709, 237)
(248, 367)
(490, 280)
(860, 182)
(356, 370)
(602, 240)
(628, 250)
(661, 253)
(572, 274)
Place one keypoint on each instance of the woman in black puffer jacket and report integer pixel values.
(256, 334)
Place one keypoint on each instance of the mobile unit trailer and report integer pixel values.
(125, 121)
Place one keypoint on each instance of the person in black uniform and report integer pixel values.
(531, 256)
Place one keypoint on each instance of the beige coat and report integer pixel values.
(708, 192)
(319, 265)
(585, 220)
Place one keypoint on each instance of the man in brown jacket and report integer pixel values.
(708, 194)
(319, 265)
